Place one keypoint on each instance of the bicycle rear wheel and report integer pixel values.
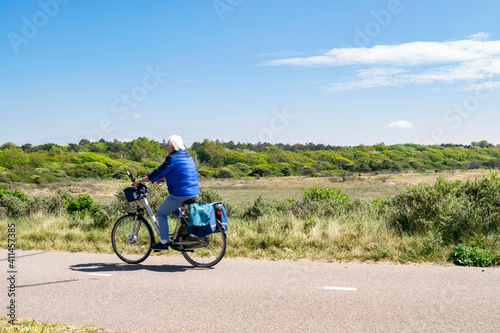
(132, 246)
(207, 251)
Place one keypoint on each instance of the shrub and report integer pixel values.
(242, 167)
(120, 173)
(156, 195)
(3, 213)
(260, 207)
(472, 256)
(456, 209)
(14, 207)
(16, 193)
(225, 173)
(286, 169)
(102, 216)
(54, 204)
(204, 172)
(8, 177)
(209, 195)
(81, 205)
(261, 170)
(376, 201)
(97, 169)
(320, 194)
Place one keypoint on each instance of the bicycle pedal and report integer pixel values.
(159, 247)
(159, 250)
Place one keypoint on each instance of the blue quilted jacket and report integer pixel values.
(180, 173)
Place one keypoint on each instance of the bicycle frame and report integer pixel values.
(145, 203)
(182, 218)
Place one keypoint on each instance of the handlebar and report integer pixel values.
(130, 175)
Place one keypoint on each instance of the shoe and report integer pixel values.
(161, 247)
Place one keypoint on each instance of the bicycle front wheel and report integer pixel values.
(206, 251)
(132, 237)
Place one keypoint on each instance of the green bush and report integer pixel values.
(209, 195)
(157, 193)
(457, 209)
(152, 164)
(225, 173)
(8, 177)
(376, 201)
(102, 217)
(81, 205)
(286, 169)
(120, 173)
(93, 157)
(316, 202)
(3, 212)
(261, 170)
(320, 194)
(472, 256)
(14, 207)
(53, 204)
(16, 193)
(97, 169)
(204, 172)
(260, 207)
(241, 167)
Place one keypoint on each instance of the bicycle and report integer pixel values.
(132, 235)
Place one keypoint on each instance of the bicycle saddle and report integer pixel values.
(189, 201)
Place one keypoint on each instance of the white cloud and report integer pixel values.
(400, 124)
(490, 85)
(470, 60)
(408, 54)
(480, 36)
(137, 115)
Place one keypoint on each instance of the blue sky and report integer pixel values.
(333, 72)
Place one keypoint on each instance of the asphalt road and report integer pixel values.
(166, 294)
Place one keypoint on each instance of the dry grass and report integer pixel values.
(245, 190)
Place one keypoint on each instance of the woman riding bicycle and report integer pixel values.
(179, 171)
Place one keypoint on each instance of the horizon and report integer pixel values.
(340, 73)
(189, 145)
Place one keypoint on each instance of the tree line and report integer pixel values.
(109, 159)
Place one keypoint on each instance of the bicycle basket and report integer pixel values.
(133, 194)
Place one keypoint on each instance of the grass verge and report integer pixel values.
(32, 326)
(277, 236)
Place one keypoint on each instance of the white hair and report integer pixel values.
(176, 142)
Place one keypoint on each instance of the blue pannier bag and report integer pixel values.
(203, 217)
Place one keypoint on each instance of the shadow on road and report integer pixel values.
(104, 267)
